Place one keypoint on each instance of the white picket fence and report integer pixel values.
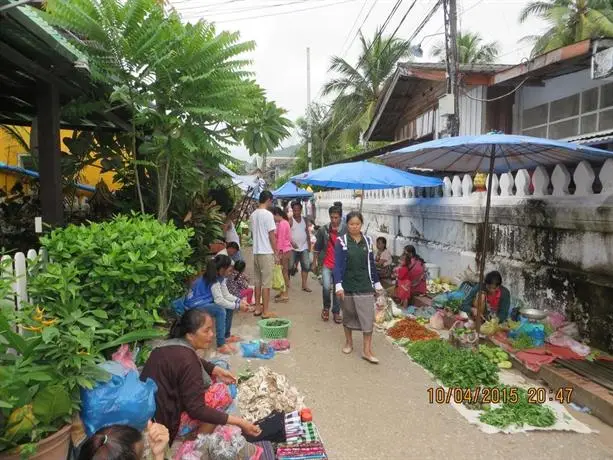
(21, 267)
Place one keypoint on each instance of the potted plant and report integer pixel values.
(42, 368)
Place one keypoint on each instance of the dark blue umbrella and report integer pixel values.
(290, 190)
(491, 153)
(363, 175)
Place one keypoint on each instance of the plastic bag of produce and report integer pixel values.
(278, 282)
(124, 357)
(559, 339)
(257, 349)
(556, 320)
(437, 320)
(123, 400)
(218, 396)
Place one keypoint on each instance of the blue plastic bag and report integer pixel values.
(178, 305)
(252, 350)
(123, 400)
(445, 297)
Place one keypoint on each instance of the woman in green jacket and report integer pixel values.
(497, 298)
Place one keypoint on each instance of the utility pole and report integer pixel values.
(453, 66)
(309, 134)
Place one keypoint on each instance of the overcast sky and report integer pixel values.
(283, 29)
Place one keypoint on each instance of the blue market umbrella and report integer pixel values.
(491, 153)
(363, 175)
(290, 190)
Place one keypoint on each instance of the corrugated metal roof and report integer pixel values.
(601, 137)
(465, 68)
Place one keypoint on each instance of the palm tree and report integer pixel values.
(569, 21)
(357, 88)
(471, 49)
(266, 129)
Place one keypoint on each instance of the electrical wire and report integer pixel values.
(200, 9)
(398, 27)
(425, 21)
(499, 97)
(274, 14)
(357, 18)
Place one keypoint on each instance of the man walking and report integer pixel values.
(324, 255)
(263, 229)
(301, 241)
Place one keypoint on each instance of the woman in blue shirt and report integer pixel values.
(210, 293)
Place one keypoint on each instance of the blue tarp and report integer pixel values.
(35, 175)
(290, 190)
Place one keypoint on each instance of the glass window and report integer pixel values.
(564, 108)
(606, 120)
(536, 132)
(535, 116)
(564, 129)
(588, 124)
(589, 100)
(606, 95)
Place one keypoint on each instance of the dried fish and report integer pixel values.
(265, 392)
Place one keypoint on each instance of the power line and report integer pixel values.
(205, 8)
(423, 23)
(357, 18)
(398, 27)
(274, 14)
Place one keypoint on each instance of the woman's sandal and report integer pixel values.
(307, 290)
(347, 350)
(338, 319)
(269, 316)
(370, 359)
(325, 314)
(281, 299)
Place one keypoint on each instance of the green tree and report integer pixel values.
(471, 49)
(356, 89)
(184, 84)
(266, 129)
(569, 21)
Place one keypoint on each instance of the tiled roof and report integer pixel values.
(465, 68)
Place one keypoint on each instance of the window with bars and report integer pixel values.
(582, 113)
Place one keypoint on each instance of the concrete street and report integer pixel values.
(382, 412)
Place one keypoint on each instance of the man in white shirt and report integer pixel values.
(301, 241)
(263, 228)
(232, 250)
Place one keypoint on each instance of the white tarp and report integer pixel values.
(245, 183)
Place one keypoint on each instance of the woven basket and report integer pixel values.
(274, 332)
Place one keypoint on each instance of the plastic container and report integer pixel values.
(274, 332)
(434, 271)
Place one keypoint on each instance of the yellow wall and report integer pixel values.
(10, 149)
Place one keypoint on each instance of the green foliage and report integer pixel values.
(128, 268)
(357, 88)
(454, 367)
(519, 414)
(471, 49)
(569, 21)
(186, 86)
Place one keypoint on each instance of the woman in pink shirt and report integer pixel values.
(284, 248)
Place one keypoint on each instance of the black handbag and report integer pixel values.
(273, 428)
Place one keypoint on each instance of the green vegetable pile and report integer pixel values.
(496, 356)
(519, 414)
(454, 367)
(522, 342)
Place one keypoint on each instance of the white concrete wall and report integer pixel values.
(554, 248)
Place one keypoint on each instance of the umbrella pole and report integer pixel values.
(488, 202)
(361, 200)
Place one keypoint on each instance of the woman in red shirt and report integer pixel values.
(411, 277)
(284, 248)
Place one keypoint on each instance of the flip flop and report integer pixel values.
(371, 359)
(338, 319)
(281, 299)
(269, 316)
(307, 290)
(325, 314)
(257, 313)
(347, 350)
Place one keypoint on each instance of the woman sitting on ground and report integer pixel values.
(210, 293)
(383, 259)
(122, 442)
(182, 377)
(497, 298)
(238, 283)
(411, 276)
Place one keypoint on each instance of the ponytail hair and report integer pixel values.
(217, 263)
(189, 323)
(281, 213)
(115, 442)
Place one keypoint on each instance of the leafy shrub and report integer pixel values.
(129, 268)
